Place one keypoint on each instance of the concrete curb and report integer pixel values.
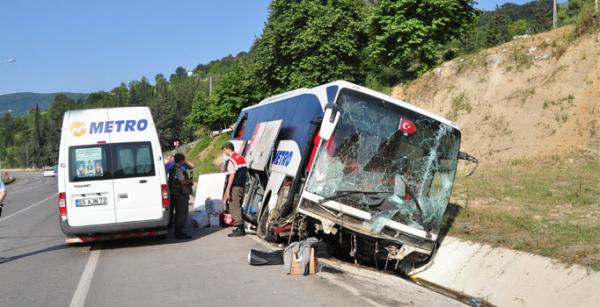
(506, 277)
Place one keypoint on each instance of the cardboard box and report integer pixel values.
(297, 269)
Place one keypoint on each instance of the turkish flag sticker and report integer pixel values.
(407, 127)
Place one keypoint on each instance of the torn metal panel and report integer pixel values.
(391, 162)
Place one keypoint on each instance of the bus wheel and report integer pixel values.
(264, 229)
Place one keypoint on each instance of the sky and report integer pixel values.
(490, 5)
(86, 46)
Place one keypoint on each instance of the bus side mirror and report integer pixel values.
(330, 119)
(467, 157)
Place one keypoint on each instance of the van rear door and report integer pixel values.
(87, 178)
(137, 187)
(89, 190)
(136, 160)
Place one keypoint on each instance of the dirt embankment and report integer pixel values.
(530, 111)
(532, 97)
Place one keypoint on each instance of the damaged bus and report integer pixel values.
(369, 173)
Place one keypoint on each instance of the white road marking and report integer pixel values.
(83, 287)
(27, 208)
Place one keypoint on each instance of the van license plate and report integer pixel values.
(94, 201)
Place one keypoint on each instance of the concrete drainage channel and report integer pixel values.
(379, 288)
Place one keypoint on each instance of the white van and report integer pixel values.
(111, 174)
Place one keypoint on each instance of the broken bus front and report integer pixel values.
(381, 179)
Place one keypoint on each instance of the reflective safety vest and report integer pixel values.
(241, 170)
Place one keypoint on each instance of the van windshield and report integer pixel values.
(110, 161)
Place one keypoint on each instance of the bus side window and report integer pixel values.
(239, 130)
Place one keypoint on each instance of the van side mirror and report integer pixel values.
(330, 120)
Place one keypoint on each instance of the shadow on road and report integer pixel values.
(115, 244)
(53, 238)
(40, 251)
(195, 233)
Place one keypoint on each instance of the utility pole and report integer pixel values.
(210, 85)
(596, 6)
(554, 14)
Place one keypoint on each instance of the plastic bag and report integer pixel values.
(214, 206)
(200, 219)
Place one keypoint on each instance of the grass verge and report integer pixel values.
(205, 152)
(549, 207)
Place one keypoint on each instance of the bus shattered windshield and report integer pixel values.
(390, 161)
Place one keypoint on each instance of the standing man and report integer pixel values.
(169, 165)
(2, 194)
(180, 187)
(234, 192)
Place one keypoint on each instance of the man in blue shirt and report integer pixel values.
(171, 163)
(2, 195)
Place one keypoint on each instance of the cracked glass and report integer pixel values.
(390, 161)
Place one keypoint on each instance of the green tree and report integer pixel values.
(140, 92)
(569, 11)
(54, 117)
(238, 89)
(498, 30)
(165, 113)
(306, 43)
(543, 16)
(519, 27)
(37, 142)
(407, 34)
(180, 73)
(121, 95)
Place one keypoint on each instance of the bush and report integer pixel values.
(588, 21)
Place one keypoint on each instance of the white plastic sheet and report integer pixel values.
(210, 186)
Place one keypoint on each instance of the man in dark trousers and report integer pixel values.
(180, 187)
(169, 165)
(234, 192)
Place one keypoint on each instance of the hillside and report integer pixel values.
(530, 111)
(532, 97)
(21, 103)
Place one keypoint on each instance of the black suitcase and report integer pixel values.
(256, 257)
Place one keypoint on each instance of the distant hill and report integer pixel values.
(21, 103)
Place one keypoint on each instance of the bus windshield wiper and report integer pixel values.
(340, 194)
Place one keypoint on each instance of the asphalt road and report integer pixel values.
(38, 269)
